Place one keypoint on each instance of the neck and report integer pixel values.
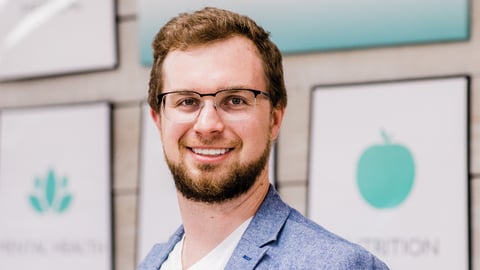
(208, 224)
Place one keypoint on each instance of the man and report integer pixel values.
(217, 96)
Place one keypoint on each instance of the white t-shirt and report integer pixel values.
(215, 260)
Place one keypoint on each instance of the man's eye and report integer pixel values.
(235, 103)
(188, 102)
(236, 100)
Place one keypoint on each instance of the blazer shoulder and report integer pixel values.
(308, 243)
(159, 252)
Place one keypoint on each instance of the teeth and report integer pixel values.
(210, 152)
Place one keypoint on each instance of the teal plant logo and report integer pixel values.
(50, 194)
(385, 174)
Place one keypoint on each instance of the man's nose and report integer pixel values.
(209, 120)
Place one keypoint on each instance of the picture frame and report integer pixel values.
(389, 168)
(55, 187)
(50, 38)
(327, 25)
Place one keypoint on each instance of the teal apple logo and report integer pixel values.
(385, 174)
(50, 194)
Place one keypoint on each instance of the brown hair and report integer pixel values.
(208, 25)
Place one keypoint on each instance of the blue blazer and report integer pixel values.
(279, 237)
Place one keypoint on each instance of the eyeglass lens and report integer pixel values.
(232, 104)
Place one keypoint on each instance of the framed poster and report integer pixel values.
(159, 215)
(55, 190)
(305, 25)
(389, 169)
(43, 38)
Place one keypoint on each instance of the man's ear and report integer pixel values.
(156, 119)
(276, 122)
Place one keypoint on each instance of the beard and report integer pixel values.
(214, 188)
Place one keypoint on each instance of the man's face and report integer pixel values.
(212, 159)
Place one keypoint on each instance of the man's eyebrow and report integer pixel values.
(234, 87)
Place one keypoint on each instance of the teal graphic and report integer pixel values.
(385, 174)
(323, 25)
(50, 194)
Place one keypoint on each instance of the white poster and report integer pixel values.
(50, 37)
(159, 215)
(388, 169)
(55, 195)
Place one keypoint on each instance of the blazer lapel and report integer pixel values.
(263, 230)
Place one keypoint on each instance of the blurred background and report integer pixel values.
(69, 54)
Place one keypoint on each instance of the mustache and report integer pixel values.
(210, 140)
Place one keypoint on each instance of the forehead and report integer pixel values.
(232, 62)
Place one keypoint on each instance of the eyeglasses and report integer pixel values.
(231, 104)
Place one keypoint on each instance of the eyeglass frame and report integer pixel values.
(254, 91)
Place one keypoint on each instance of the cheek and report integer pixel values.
(255, 137)
(171, 136)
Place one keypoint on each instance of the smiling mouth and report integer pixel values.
(211, 152)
